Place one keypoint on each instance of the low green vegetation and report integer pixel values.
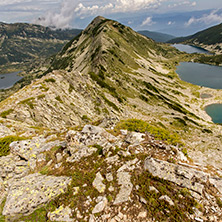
(111, 104)
(85, 118)
(212, 60)
(58, 98)
(219, 202)
(142, 126)
(160, 209)
(71, 88)
(2, 218)
(29, 102)
(5, 142)
(41, 96)
(50, 80)
(4, 114)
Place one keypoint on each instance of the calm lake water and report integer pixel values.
(190, 49)
(215, 112)
(9, 79)
(201, 74)
(204, 75)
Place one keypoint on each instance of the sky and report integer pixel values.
(176, 17)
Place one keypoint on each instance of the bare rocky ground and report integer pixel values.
(92, 175)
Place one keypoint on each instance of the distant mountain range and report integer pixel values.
(210, 39)
(157, 36)
(21, 42)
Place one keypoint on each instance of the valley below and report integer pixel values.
(112, 128)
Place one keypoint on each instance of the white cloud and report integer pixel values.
(214, 17)
(72, 8)
(13, 2)
(183, 3)
(170, 23)
(148, 21)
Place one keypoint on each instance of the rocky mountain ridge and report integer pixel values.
(74, 131)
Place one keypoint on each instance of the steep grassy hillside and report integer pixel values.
(22, 43)
(210, 39)
(157, 36)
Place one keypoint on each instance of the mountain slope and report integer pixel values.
(210, 39)
(21, 42)
(110, 72)
(157, 36)
(72, 150)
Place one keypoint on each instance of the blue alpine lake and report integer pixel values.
(204, 75)
(7, 80)
(215, 112)
(201, 74)
(190, 49)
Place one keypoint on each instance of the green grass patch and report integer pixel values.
(142, 126)
(71, 88)
(41, 96)
(58, 98)
(5, 142)
(111, 104)
(160, 209)
(4, 114)
(50, 80)
(28, 102)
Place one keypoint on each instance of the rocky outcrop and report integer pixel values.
(30, 192)
(30, 149)
(183, 176)
(111, 191)
(13, 167)
(98, 183)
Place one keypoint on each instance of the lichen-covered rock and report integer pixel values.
(125, 189)
(135, 137)
(98, 183)
(30, 149)
(100, 206)
(61, 214)
(12, 167)
(78, 152)
(27, 193)
(90, 135)
(167, 199)
(181, 175)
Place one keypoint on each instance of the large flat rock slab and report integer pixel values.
(27, 194)
(181, 175)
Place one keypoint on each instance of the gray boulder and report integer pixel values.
(125, 189)
(27, 194)
(61, 214)
(98, 183)
(30, 149)
(181, 175)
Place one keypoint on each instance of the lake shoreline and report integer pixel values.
(8, 80)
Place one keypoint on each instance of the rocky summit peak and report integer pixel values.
(98, 19)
